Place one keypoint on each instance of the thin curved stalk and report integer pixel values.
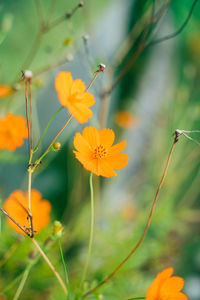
(91, 231)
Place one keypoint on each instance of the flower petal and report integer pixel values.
(86, 99)
(105, 169)
(117, 148)
(118, 161)
(81, 144)
(153, 290)
(91, 134)
(107, 137)
(171, 285)
(78, 87)
(63, 85)
(80, 112)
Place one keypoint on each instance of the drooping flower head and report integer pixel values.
(13, 131)
(73, 95)
(17, 206)
(96, 152)
(166, 287)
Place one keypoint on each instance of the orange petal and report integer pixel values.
(171, 285)
(78, 86)
(63, 85)
(118, 161)
(89, 163)
(86, 98)
(117, 148)
(107, 137)
(80, 112)
(105, 169)
(91, 134)
(154, 289)
(81, 144)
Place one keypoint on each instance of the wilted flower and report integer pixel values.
(73, 95)
(96, 153)
(17, 206)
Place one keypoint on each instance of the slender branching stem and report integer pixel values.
(91, 231)
(48, 148)
(173, 35)
(51, 266)
(13, 220)
(108, 278)
(42, 136)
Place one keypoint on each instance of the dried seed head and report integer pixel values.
(27, 74)
(101, 67)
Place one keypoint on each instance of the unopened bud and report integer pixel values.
(57, 229)
(56, 146)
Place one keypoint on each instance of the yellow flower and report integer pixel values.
(73, 95)
(96, 152)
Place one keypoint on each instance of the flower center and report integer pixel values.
(100, 152)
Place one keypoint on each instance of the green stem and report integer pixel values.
(91, 231)
(48, 124)
(63, 262)
(22, 282)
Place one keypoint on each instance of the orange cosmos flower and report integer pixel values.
(126, 120)
(17, 205)
(5, 91)
(13, 131)
(96, 153)
(72, 94)
(166, 287)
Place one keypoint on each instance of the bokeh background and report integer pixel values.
(158, 94)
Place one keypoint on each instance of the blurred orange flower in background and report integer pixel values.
(166, 287)
(126, 120)
(96, 153)
(13, 131)
(72, 94)
(5, 91)
(17, 205)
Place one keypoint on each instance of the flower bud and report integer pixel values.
(56, 146)
(57, 229)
